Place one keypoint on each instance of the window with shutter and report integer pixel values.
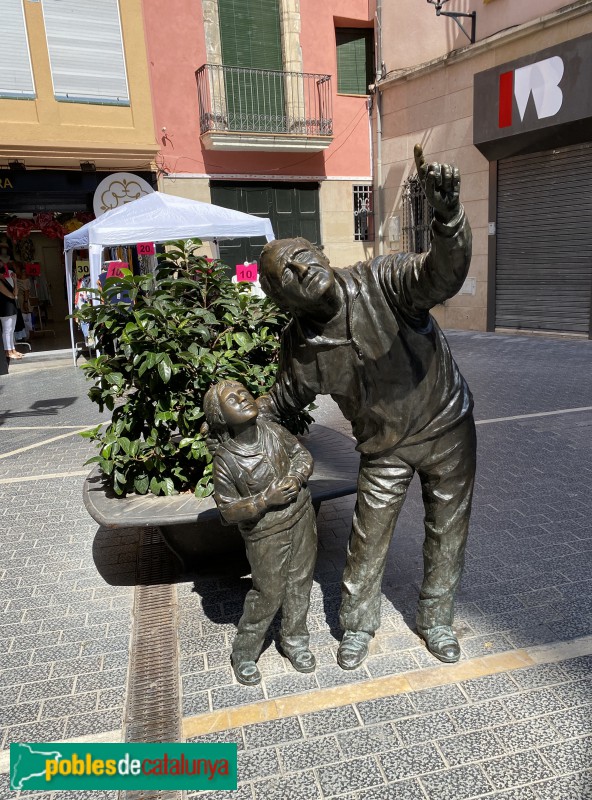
(16, 75)
(354, 60)
(86, 51)
(250, 36)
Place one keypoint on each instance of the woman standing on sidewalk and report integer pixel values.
(8, 309)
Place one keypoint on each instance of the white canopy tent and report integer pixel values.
(156, 217)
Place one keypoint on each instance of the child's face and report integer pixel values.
(238, 406)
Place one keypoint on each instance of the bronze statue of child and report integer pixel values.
(260, 476)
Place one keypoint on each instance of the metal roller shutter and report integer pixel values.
(16, 76)
(544, 241)
(86, 50)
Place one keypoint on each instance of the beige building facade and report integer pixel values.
(450, 96)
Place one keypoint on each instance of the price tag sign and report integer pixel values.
(246, 272)
(82, 269)
(114, 270)
(146, 248)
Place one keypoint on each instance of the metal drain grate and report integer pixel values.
(153, 711)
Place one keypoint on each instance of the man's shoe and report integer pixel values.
(246, 672)
(353, 649)
(302, 660)
(441, 642)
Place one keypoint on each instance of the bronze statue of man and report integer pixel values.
(364, 335)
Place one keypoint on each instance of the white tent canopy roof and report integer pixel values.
(159, 217)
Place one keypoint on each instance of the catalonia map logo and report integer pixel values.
(60, 766)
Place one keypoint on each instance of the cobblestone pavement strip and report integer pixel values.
(516, 735)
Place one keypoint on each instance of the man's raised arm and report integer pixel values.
(428, 279)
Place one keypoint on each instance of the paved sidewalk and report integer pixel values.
(511, 720)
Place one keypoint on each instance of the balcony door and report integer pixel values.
(251, 41)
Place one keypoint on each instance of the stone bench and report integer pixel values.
(191, 527)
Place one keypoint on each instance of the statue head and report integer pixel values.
(298, 277)
(228, 405)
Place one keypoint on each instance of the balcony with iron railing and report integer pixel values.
(257, 109)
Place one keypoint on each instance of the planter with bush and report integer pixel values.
(164, 339)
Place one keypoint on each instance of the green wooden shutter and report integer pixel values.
(354, 60)
(251, 38)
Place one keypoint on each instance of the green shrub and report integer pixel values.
(188, 326)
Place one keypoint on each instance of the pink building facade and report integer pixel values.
(268, 125)
(513, 110)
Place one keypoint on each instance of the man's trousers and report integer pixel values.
(446, 467)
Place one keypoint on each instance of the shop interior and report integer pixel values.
(31, 246)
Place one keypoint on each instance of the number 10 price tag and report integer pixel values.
(246, 272)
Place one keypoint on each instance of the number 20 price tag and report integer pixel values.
(146, 248)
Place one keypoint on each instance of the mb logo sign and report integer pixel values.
(541, 80)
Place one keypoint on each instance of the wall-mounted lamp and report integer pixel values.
(17, 166)
(455, 15)
(88, 166)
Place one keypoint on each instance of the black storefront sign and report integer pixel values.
(538, 102)
(51, 190)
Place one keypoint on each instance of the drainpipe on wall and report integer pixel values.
(378, 197)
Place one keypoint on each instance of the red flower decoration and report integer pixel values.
(18, 229)
(53, 230)
(42, 220)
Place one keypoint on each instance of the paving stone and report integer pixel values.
(385, 709)
(517, 768)
(401, 790)
(257, 764)
(299, 786)
(481, 715)
(318, 723)
(97, 722)
(194, 663)
(50, 730)
(440, 697)
(67, 705)
(426, 727)
(530, 733)
(489, 687)
(467, 747)
(101, 680)
(351, 775)
(574, 693)
(231, 735)
(569, 756)
(540, 675)
(244, 792)
(456, 784)
(277, 731)
(195, 704)
(335, 676)
(201, 681)
(379, 666)
(76, 666)
(573, 721)
(20, 675)
(575, 787)
(47, 689)
(376, 739)
(235, 695)
(292, 683)
(309, 754)
(534, 703)
(110, 698)
(407, 762)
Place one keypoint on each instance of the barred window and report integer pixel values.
(363, 213)
(417, 217)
